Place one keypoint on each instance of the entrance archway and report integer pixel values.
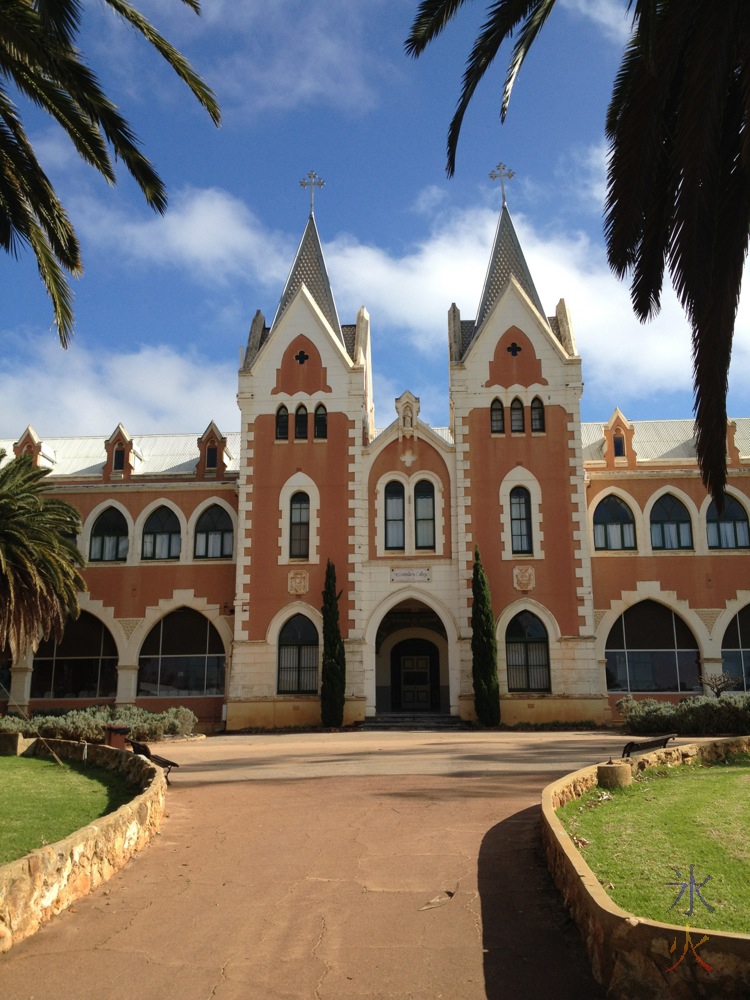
(411, 652)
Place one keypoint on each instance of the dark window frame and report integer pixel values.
(670, 522)
(214, 526)
(497, 417)
(521, 538)
(424, 524)
(101, 541)
(609, 529)
(527, 660)
(517, 417)
(537, 416)
(159, 522)
(730, 531)
(394, 491)
(299, 526)
(320, 423)
(297, 657)
(300, 423)
(282, 423)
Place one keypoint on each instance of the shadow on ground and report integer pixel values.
(528, 937)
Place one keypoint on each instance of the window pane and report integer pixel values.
(227, 543)
(95, 551)
(516, 415)
(200, 545)
(424, 509)
(214, 544)
(394, 516)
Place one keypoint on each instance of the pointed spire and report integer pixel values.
(309, 269)
(507, 260)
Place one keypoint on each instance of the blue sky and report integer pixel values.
(166, 303)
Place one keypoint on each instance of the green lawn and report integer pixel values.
(636, 839)
(41, 802)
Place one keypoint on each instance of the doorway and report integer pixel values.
(415, 676)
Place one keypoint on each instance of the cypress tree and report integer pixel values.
(484, 648)
(333, 685)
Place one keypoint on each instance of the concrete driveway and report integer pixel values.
(348, 865)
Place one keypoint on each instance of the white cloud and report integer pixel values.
(645, 369)
(267, 57)
(208, 232)
(83, 392)
(609, 15)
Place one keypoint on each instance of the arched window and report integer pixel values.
(300, 423)
(424, 515)
(394, 515)
(537, 414)
(735, 649)
(182, 655)
(650, 648)
(298, 657)
(82, 665)
(670, 524)
(299, 526)
(161, 535)
(730, 530)
(320, 423)
(516, 415)
(527, 653)
(214, 534)
(212, 455)
(282, 424)
(118, 458)
(619, 445)
(497, 417)
(614, 527)
(109, 537)
(520, 520)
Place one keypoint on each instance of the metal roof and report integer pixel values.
(159, 454)
(660, 440)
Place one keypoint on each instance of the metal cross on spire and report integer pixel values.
(312, 181)
(500, 173)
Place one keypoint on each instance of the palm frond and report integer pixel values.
(431, 18)
(39, 578)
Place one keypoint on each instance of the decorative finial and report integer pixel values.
(312, 181)
(500, 173)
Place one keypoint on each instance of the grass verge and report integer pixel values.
(41, 802)
(641, 841)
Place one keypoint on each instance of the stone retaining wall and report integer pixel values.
(37, 887)
(629, 955)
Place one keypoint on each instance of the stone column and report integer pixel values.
(127, 684)
(20, 684)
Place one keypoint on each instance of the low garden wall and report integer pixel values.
(35, 888)
(630, 956)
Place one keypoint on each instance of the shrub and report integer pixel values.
(693, 716)
(89, 723)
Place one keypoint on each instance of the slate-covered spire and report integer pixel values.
(309, 269)
(507, 259)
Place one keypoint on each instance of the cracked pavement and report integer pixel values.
(328, 866)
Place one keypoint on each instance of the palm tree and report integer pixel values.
(678, 194)
(39, 580)
(38, 55)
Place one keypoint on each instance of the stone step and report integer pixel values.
(410, 721)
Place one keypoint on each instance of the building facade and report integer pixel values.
(610, 569)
